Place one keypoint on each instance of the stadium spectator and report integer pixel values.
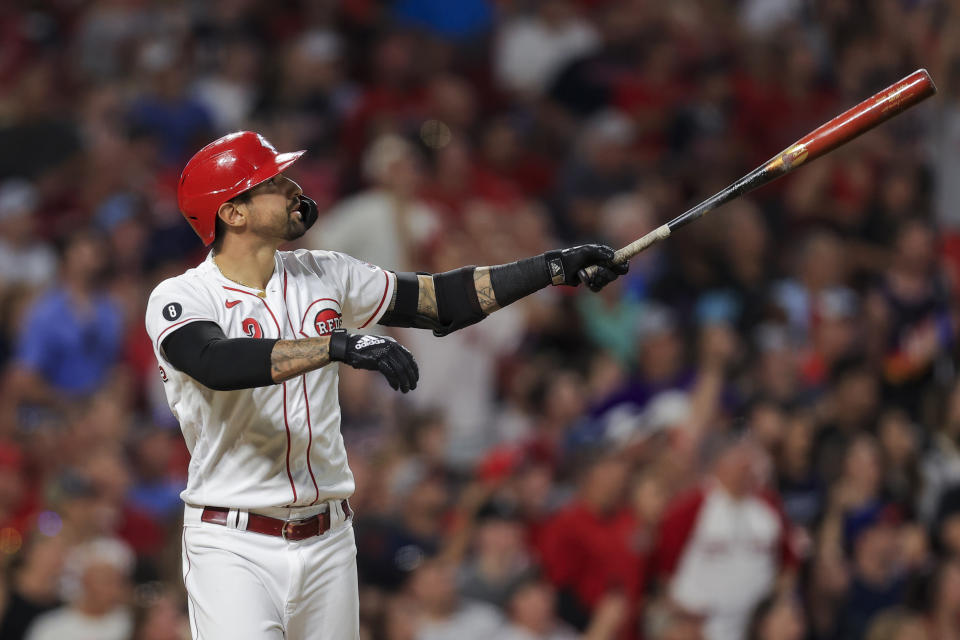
(942, 602)
(798, 483)
(532, 615)
(777, 618)
(34, 587)
(466, 358)
(405, 225)
(97, 574)
(726, 530)
(530, 50)
(24, 258)
(821, 270)
(160, 616)
(166, 110)
(231, 91)
(878, 575)
(940, 465)
(69, 340)
(441, 613)
(157, 484)
(946, 523)
(599, 169)
(500, 560)
(911, 316)
(588, 547)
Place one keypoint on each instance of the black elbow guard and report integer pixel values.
(457, 302)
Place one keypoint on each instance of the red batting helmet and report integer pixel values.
(224, 169)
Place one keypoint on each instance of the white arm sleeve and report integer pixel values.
(367, 290)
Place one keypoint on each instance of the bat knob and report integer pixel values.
(587, 273)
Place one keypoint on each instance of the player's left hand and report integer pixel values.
(376, 353)
(573, 260)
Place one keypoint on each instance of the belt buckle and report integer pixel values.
(290, 523)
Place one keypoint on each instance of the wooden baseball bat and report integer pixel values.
(879, 107)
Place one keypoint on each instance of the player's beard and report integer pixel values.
(284, 225)
(295, 227)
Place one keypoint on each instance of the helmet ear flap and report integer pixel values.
(308, 211)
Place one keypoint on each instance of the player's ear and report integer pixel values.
(232, 214)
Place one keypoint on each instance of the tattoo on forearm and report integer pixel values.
(290, 358)
(427, 298)
(488, 301)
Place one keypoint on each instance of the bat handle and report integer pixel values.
(629, 251)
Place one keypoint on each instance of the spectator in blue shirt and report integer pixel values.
(71, 337)
(167, 111)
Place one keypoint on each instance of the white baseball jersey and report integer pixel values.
(279, 445)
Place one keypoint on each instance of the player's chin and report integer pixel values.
(295, 229)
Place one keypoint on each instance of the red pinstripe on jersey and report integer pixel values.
(286, 422)
(386, 287)
(286, 425)
(306, 402)
(306, 399)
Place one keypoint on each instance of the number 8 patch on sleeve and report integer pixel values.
(175, 302)
(172, 311)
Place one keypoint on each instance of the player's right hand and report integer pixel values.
(571, 264)
(376, 353)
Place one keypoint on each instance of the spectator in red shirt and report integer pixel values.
(590, 548)
(18, 500)
(457, 180)
(395, 99)
(728, 531)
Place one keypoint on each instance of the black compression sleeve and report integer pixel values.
(404, 311)
(203, 352)
(519, 279)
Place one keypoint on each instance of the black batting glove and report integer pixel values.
(376, 353)
(566, 266)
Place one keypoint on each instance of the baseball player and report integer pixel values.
(246, 342)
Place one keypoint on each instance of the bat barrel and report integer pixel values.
(881, 106)
(878, 108)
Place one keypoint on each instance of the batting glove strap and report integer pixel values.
(338, 344)
(565, 266)
(556, 270)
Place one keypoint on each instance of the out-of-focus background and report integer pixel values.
(755, 434)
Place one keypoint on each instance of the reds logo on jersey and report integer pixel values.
(326, 321)
(252, 328)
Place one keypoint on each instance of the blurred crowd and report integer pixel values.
(754, 435)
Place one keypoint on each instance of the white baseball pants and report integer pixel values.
(243, 585)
